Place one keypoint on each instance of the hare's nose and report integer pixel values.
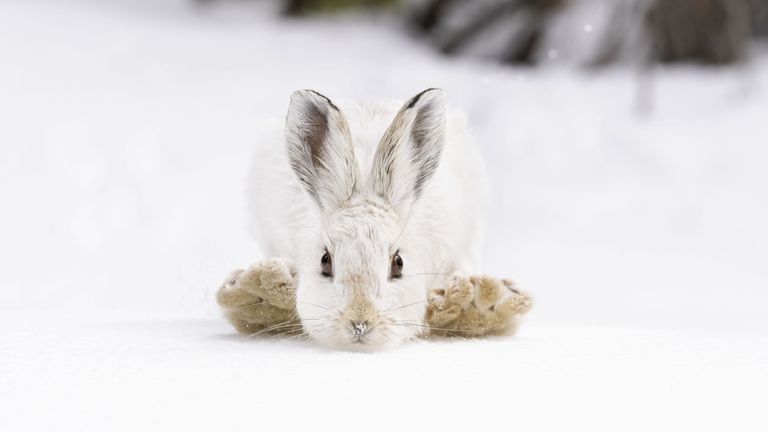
(359, 328)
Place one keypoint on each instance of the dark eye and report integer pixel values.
(396, 271)
(326, 265)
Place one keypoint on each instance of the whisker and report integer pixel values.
(405, 306)
(312, 304)
(406, 324)
(313, 333)
(264, 332)
(275, 327)
(289, 333)
(402, 231)
(252, 305)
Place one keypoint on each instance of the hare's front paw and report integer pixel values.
(446, 304)
(260, 298)
(476, 306)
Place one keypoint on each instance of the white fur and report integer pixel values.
(362, 218)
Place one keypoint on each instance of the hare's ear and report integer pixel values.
(320, 149)
(409, 152)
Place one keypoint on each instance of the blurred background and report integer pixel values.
(625, 139)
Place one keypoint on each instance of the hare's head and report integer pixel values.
(359, 280)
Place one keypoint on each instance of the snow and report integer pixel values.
(636, 221)
(138, 374)
(143, 374)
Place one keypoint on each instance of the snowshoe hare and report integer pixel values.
(374, 216)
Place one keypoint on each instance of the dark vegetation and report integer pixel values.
(712, 32)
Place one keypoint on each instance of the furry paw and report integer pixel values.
(476, 306)
(261, 298)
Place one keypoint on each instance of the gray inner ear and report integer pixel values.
(424, 153)
(319, 149)
(315, 134)
(312, 133)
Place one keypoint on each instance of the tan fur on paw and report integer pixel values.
(488, 292)
(261, 298)
(489, 306)
(446, 304)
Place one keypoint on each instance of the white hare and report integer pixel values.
(367, 208)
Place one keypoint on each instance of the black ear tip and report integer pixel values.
(313, 97)
(301, 94)
(432, 93)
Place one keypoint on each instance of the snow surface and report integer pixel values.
(126, 130)
(142, 374)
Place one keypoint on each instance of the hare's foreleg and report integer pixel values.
(261, 298)
(476, 306)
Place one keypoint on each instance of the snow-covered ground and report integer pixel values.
(126, 374)
(126, 130)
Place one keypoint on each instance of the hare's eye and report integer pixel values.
(396, 271)
(326, 265)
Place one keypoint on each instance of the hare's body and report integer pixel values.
(371, 206)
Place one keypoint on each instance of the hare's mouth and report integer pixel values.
(361, 334)
(358, 336)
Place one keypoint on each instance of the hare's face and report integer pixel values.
(360, 289)
(358, 284)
